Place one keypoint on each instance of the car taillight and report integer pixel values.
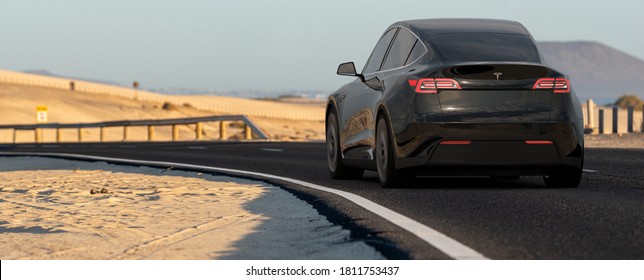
(456, 142)
(559, 85)
(538, 142)
(432, 85)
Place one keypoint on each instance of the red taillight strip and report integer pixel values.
(559, 85)
(538, 142)
(456, 142)
(445, 83)
(426, 86)
(432, 85)
(562, 85)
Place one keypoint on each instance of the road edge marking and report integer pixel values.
(440, 241)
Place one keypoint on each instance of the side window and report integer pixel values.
(416, 52)
(375, 60)
(400, 50)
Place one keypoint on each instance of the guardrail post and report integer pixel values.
(150, 133)
(37, 135)
(615, 121)
(222, 130)
(629, 122)
(124, 133)
(58, 136)
(601, 121)
(80, 134)
(102, 134)
(198, 130)
(248, 132)
(175, 132)
(14, 135)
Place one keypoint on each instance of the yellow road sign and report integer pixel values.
(41, 114)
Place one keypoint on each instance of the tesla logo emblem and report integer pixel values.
(497, 75)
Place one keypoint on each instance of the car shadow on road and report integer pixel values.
(463, 182)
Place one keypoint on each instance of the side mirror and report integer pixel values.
(347, 69)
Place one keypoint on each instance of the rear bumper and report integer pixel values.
(492, 146)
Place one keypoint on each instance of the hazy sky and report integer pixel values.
(225, 45)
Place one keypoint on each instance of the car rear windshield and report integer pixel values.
(485, 47)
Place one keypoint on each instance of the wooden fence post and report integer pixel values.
(629, 122)
(590, 113)
(601, 121)
(248, 132)
(615, 121)
(150, 133)
(198, 130)
(222, 130)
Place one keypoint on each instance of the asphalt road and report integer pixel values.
(603, 218)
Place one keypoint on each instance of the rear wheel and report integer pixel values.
(388, 176)
(568, 177)
(337, 169)
(563, 178)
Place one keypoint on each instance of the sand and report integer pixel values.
(48, 210)
(618, 141)
(18, 106)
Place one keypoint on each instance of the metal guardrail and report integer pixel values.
(250, 128)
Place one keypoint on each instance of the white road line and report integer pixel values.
(590, 171)
(197, 148)
(440, 241)
(271, 150)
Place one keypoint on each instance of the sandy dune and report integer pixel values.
(18, 104)
(48, 211)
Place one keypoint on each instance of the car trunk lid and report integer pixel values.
(493, 92)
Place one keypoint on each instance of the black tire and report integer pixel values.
(568, 177)
(337, 169)
(563, 178)
(388, 175)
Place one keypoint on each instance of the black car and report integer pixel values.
(455, 97)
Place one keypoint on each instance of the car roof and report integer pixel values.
(429, 27)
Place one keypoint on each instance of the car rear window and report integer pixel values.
(485, 47)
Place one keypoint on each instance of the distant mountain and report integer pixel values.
(50, 74)
(596, 70)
